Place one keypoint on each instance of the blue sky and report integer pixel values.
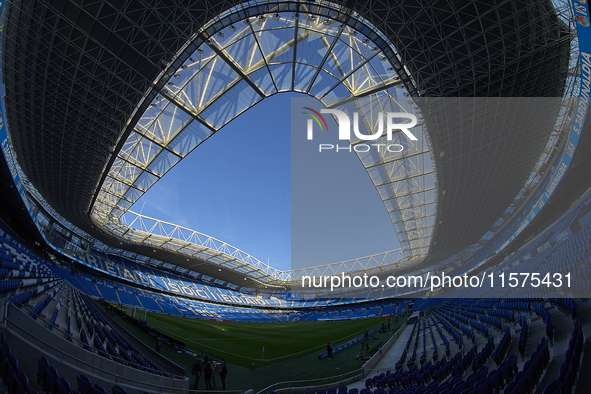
(237, 187)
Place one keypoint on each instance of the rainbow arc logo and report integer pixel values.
(315, 116)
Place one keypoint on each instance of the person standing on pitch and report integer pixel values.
(196, 370)
(223, 373)
(329, 350)
(213, 366)
(207, 373)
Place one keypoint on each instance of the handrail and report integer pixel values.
(114, 377)
(10, 299)
(127, 379)
(355, 373)
(335, 377)
(147, 348)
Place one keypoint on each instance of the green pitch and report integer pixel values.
(242, 343)
(291, 349)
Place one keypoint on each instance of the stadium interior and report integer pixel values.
(101, 98)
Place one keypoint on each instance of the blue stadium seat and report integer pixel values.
(51, 378)
(97, 389)
(42, 365)
(552, 387)
(22, 381)
(66, 386)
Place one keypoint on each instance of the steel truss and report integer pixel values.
(117, 114)
(235, 68)
(140, 228)
(386, 261)
(143, 229)
(325, 58)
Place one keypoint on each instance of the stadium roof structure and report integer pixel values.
(104, 97)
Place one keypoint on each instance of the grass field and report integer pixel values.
(242, 343)
(291, 348)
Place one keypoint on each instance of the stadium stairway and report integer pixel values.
(53, 303)
(584, 380)
(542, 364)
(390, 358)
(105, 342)
(43, 307)
(56, 305)
(24, 373)
(70, 315)
(563, 327)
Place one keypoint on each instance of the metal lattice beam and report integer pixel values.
(86, 74)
